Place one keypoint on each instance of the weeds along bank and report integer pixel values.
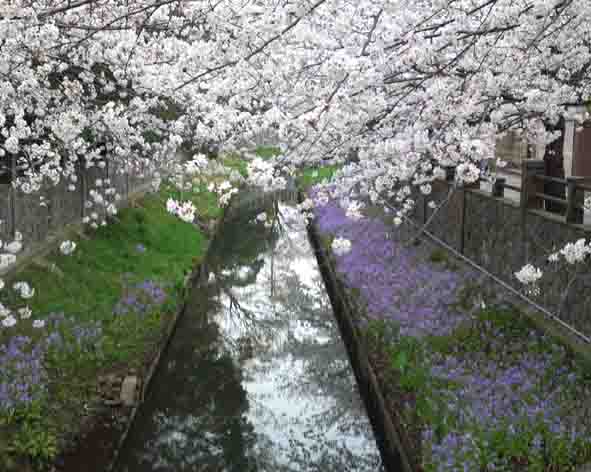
(95, 311)
(472, 384)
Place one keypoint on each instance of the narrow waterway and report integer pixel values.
(256, 377)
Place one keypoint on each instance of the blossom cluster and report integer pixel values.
(263, 174)
(572, 253)
(341, 246)
(184, 210)
(528, 274)
(101, 204)
(224, 190)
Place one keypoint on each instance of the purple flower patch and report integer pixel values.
(22, 376)
(507, 398)
(141, 298)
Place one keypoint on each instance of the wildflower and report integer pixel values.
(24, 289)
(1, 284)
(111, 209)
(528, 274)
(14, 247)
(186, 212)
(341, 246)
(7, 260)
(67, 247)
(261, 217)
(171, 206)
(38, 323)
(25, 313)
(9, 321)
(354, 211)
(575, 252)
(4, 312)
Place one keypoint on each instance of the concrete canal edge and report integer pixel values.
(193, 280)
(388, 430)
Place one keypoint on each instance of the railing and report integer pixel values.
(534, 197)
(499, 186)
(531, 190)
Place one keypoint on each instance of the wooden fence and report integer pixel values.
(533, 197)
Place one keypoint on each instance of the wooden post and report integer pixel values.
(83, 187)
(462, 222)
(574, 200)
(450, 173)
(127, 171)
(530, 185)
(12, 190)
(498, 188)
(530, 168)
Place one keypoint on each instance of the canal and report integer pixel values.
(256, 377)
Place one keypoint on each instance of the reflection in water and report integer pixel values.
(256, 377)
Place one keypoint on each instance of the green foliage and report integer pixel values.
(34, 437)
(234, 161)
(267, 152)
(410, 369)
(314, 175)
(438, 256)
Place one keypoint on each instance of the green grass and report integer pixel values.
(234, 161)
(314, 175)
(93, 274)
(267, 152)
(88, 286)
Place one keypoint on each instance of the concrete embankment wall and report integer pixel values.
(501, 237)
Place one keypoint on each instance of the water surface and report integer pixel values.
(256, 377)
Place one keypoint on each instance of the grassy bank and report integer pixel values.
(104, 309)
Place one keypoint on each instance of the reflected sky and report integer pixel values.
(256, 377)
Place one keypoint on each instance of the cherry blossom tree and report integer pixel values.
(405, 87)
